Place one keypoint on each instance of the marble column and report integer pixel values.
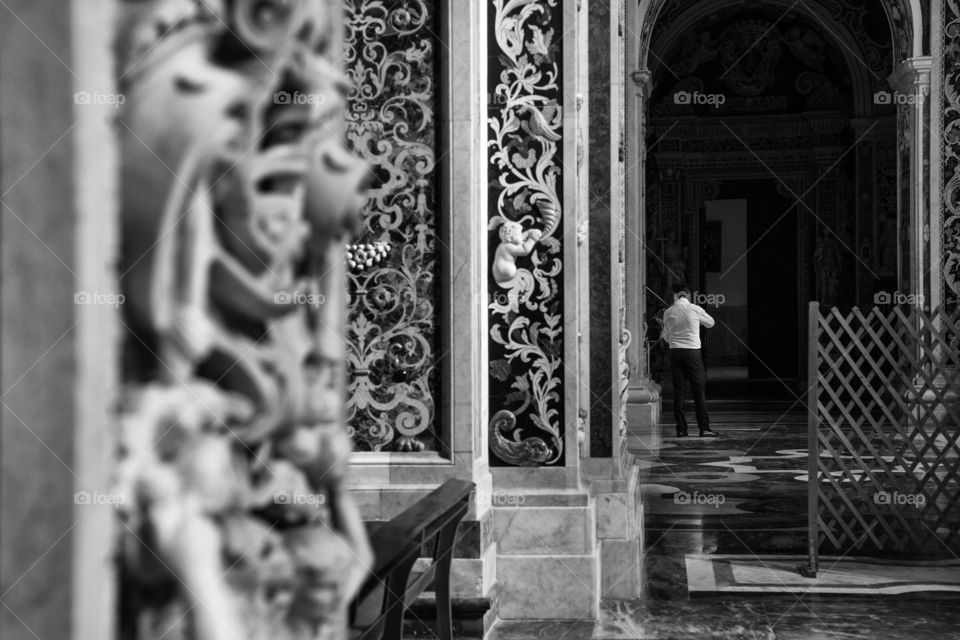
(911, 82)
(603, 237)
(643, 397)
(545, 518)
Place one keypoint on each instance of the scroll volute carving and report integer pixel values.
(236, 200)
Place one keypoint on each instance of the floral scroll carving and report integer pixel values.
(526, 288)
(950, 258)
(393, 335)
(235, 203)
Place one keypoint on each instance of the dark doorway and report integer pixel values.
(748, 257)
(772, 273)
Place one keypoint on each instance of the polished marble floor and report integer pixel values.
(740, 494)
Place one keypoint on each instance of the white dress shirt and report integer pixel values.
(681, 324)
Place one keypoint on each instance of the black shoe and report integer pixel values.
(708, 434)
(681, 434)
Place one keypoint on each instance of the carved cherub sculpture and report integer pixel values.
(233, 445)
(514, 242)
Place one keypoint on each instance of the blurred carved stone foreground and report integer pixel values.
(236, 203)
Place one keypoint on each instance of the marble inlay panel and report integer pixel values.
(526, 301)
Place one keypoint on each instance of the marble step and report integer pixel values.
(528, 529)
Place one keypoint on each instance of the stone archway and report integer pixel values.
(905, 20)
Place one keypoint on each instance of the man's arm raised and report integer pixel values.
(705, 318)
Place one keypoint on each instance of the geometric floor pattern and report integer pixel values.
(711, 507)
(752, 475)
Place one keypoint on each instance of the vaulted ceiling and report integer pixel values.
(779, 55)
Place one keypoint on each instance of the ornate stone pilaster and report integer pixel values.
(911, 82)
(526, 234)
(641, 272)
(948, 111)
(638, 207)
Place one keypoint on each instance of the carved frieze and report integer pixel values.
(750, 51)
(783, 133)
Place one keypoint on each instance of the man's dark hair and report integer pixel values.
(681, 287)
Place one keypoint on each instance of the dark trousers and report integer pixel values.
(687, 365)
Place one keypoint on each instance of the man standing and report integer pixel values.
(681, 331)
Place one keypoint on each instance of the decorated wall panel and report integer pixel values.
(525, 307)
(392, 62)
(950, 126)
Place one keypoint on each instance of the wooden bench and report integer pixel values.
(427, 529)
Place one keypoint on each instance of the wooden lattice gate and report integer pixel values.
(884, 422)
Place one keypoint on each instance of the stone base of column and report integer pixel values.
(643, 417)
(619, 514)
(548, 557)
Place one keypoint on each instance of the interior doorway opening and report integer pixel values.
(750, 262)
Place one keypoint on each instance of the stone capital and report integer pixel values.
(643, 80)
(912, 75)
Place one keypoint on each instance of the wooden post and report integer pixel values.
(813, 449)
